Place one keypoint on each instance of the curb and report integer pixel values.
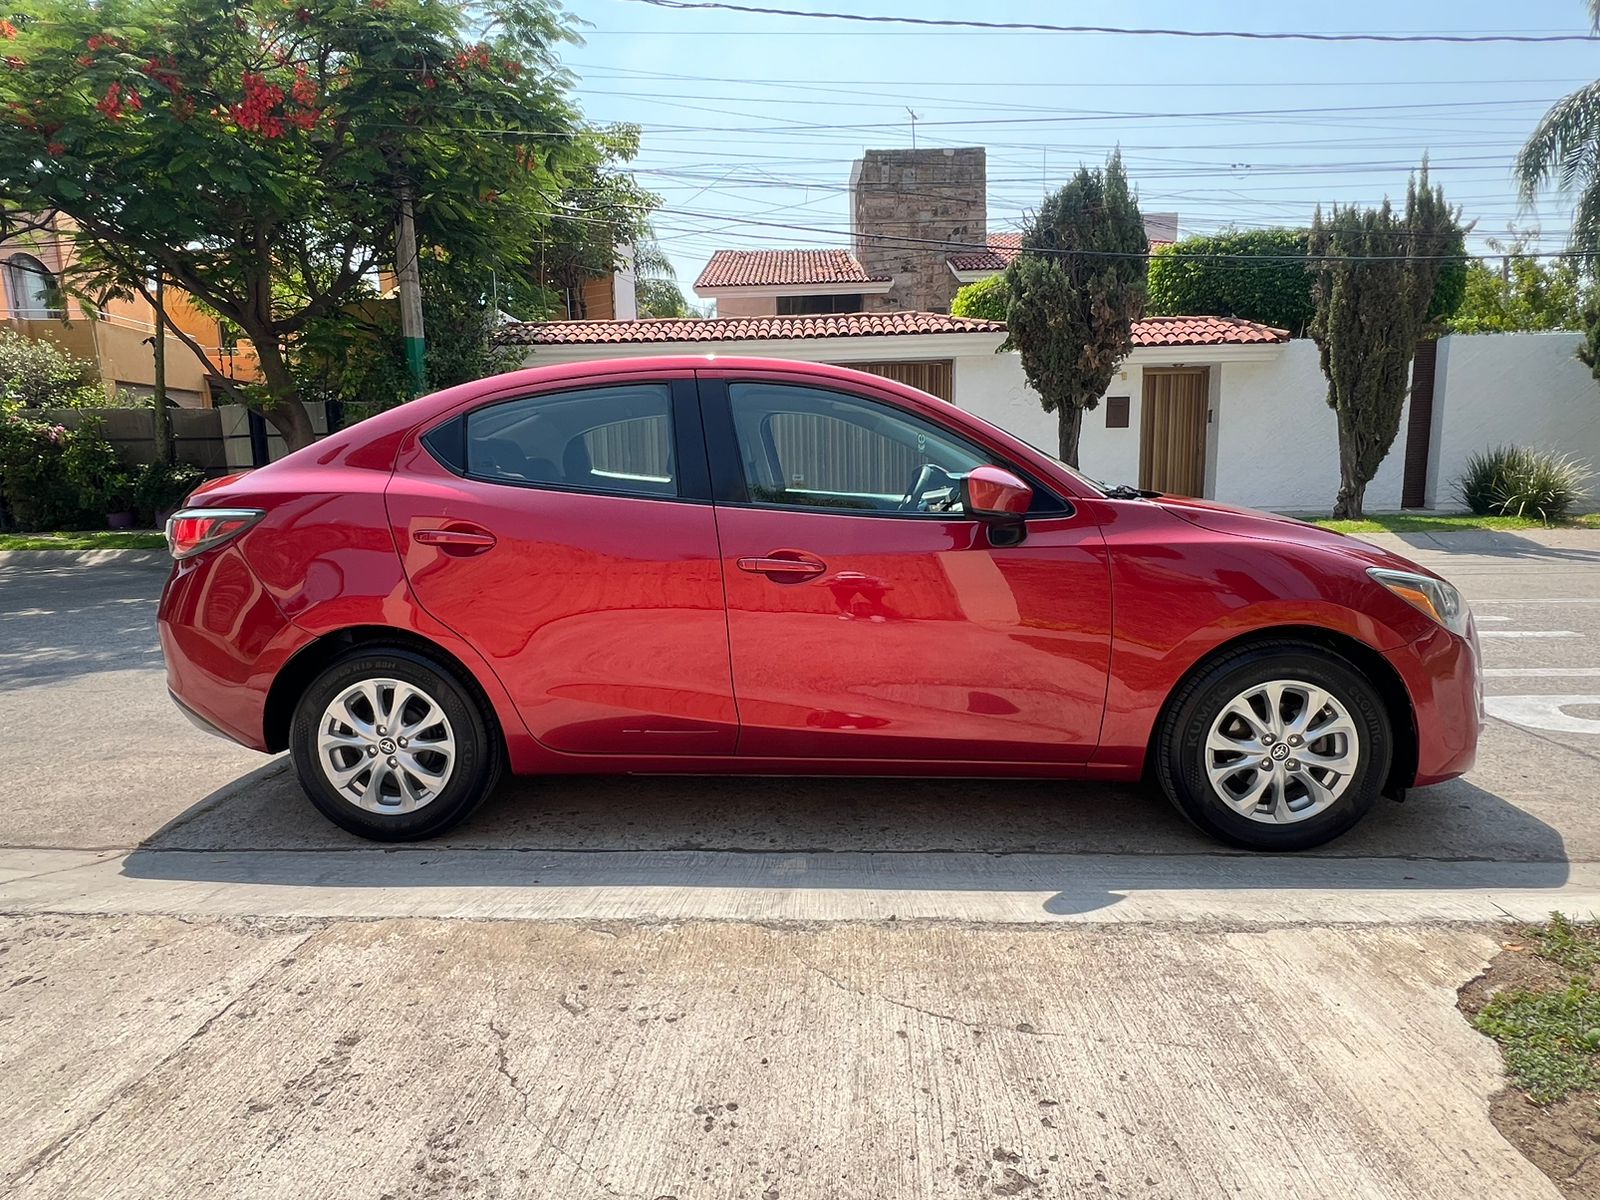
(154, 559)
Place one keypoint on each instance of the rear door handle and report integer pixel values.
(458, 540)
(785, 566)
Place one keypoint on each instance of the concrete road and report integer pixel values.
(889, 979)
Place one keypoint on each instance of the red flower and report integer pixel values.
(112, 104)
(133, 100)
(15, 63)
(55, 149)
(85, 60)
(8, 31)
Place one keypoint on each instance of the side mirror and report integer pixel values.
(994, 494)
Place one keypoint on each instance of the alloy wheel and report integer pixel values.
(386, 746)
(1282, 751)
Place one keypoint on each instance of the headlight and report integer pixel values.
(1433, 596)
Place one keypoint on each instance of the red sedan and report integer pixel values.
(742, 565)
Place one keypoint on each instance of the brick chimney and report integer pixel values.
(910, 210)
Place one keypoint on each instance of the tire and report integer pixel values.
(1204, 720)
(422, 789)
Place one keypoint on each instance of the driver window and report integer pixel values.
(818, 449)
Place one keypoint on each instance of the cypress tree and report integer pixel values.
(1071, 314)
(1375, 275)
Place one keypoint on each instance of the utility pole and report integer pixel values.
(163, 416)
(914, 117)
(409, 279)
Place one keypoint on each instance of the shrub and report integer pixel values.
(38, 374)
(158, 490)
(986, 299)
(1514, 481)
(52, 477)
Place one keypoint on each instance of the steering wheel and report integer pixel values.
(928, 475)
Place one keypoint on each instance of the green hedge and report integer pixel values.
(1203, 276)
(985, 299)
(1186, 282)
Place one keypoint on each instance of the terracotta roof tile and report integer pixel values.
(734, 329)
(758, 268)
(1204, 331)
(1003, 247)
(1151, 331)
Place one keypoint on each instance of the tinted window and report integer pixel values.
(615, 439)
(803, 446)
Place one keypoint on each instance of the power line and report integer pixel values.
(1040, 27)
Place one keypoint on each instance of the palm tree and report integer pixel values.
(1565, 151)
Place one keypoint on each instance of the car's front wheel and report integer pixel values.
(390, 745)
(1276, 746)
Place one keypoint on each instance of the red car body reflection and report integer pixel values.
(698, 633)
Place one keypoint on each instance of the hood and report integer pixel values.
(1252, 523)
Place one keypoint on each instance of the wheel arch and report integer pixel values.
(314, 657)
(1391, 689)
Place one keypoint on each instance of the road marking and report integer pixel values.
(1537, 600)
(1544, 712)
(1537, 672)
(1528, 633)
(1477, 616)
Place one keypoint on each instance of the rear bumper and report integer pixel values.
(224, 639)
(1442, 673)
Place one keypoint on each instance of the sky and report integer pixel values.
(750, 122)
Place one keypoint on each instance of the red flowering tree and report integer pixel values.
(254, 151)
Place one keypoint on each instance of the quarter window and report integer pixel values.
(614, 439)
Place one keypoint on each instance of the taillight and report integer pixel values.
(192, 530)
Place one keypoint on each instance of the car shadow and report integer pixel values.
(1085, 842)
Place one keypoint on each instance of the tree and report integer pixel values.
(255, 151)
(655, 287)
(1374, 277)
(1564, 149)
(1521, 294)
(986, 299)
(1074, 292)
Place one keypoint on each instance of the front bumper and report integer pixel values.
(1443, 674)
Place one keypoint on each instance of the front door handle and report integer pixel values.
(785, 566)
(459, 540)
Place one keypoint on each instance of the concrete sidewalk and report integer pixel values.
(854, 1062)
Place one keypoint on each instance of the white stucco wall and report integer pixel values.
(1277, 441)
(1524, 389)
(1271, 439)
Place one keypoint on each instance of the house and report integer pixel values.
(919, 231)
(1154, 427)
(116, 336)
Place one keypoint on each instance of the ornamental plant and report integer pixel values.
(1074, 293)
(256, 152)
(1374, 277)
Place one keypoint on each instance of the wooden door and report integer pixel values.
(936, 377)
(1172, 435)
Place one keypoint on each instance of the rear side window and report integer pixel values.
(612, 439)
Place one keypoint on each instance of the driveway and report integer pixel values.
(668, 987)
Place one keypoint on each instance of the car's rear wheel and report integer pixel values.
(1276, 746)
(390, 745)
